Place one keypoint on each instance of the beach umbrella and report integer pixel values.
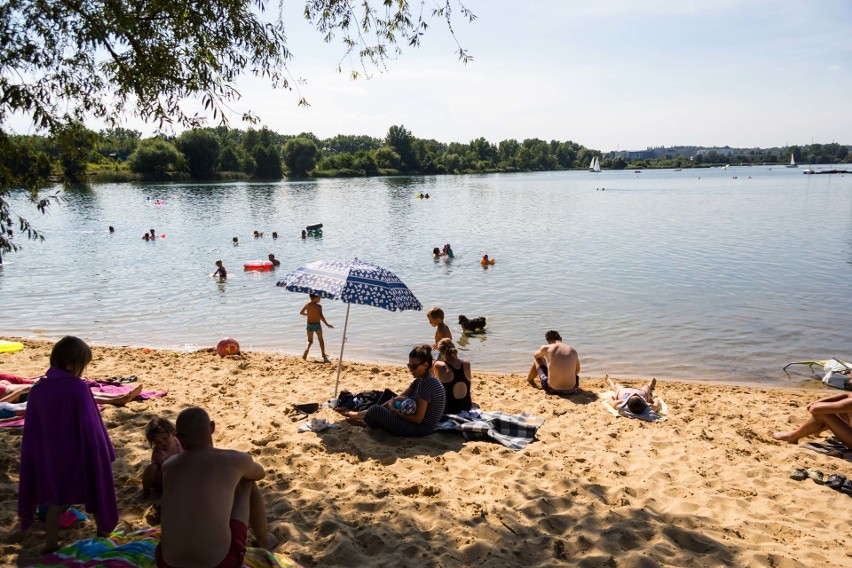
(354, 282)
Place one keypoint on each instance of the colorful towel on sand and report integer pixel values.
(514, 431)
(116, 387)
(648, 416)
(135, 549)
(831, 447)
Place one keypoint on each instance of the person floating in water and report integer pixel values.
(111, 229)
(257, 234)
(274, 261)
(274, 235)
(153, 234)
(448, 251)
(436, 253)
(220, 273)
(236, 241)
(486, 261)
(304, 234)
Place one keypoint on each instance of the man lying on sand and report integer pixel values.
(557, 366)
(832, 413)
(209, 498)
(635, 400)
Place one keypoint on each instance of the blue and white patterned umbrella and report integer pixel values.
(354, 282)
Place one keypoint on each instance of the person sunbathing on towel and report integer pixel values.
(209, 499)
(12, 387)
(557, 366)
(832, 413)
(632, 399)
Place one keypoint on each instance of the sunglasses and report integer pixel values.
(412, 367)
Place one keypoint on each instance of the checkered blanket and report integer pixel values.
(514, 431)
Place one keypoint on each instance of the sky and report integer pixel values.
(608, 74)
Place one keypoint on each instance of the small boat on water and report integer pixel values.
(595, 166)
(792, 163)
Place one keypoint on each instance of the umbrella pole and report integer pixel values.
(342, 345)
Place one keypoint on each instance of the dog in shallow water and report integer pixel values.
(474, 325)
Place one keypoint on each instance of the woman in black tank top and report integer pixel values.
(454, 374)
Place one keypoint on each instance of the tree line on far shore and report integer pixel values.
(76, 154)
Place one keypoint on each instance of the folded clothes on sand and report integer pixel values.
(135, 549)
(514, 431)
(648, 416)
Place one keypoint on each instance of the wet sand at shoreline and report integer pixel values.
(706, 488)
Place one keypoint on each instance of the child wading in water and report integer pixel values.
(442, 331)
(160, 433)
(315, 320)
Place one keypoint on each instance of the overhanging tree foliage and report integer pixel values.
(64, 60)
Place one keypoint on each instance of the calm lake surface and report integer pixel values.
(720, 275)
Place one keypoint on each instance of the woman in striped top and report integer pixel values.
(427, 392)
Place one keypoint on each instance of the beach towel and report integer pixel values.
(135, 549)
(648, 416)
(515, 431)
(116, 387)
(830, 447)
(66, 453)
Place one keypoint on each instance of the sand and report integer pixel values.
(706, 488)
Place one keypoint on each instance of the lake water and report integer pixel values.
(721, 275)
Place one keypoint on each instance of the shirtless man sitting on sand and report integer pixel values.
(557, 366)
(209, 499)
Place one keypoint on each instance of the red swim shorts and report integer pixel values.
(234, 557)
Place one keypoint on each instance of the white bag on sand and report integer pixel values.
(836, 374)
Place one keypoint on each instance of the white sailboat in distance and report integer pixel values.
(792, 163)
(595, 166)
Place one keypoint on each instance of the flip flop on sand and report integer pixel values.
(847, 487)
(817, 476)
(799, 474)
(835, 481)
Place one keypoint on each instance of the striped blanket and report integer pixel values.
(514, 431)
(135, 549)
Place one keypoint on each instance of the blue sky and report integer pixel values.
(608, 74)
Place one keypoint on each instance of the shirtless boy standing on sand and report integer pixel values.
(209, 500)
(313, 310)
(557, 366)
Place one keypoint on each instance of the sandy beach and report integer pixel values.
(706, 488)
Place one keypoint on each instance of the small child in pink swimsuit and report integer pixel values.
(160, 433)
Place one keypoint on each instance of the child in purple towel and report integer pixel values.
(66, 453)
